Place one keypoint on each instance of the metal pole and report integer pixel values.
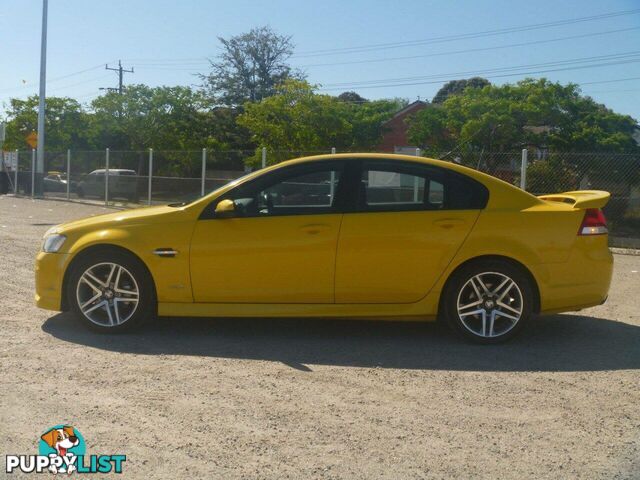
(41, 100)
(15, 186)
(150, 176)
(68, 174)
(106, 178)
(523, 170)
(333, 150)
(33, 172)
(418, 152)
(204, 171)
(264, 157)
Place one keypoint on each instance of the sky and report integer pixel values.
(379, 49)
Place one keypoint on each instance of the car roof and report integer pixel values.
(102, 170)
(395, 157)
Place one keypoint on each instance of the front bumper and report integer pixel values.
(49, 271)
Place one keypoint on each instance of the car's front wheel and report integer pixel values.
(488, 301)
(111, 291)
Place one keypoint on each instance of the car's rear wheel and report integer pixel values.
(111, 291)
(488, 301)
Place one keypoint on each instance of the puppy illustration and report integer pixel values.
(61, 440)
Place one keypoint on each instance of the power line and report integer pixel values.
(615, 56)
(52, 80)
(89, 80)
(57, 89)
(199, 61)
(463, 36)
(501, 75)
(471, 50)
(611, 81)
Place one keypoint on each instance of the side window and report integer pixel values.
(402, 186)
(380, 187)
(306, 192)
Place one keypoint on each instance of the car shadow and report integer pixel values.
(555, 343)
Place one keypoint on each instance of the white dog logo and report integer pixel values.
(61, 440)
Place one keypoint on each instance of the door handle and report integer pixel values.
(314, 228)
(447, 223)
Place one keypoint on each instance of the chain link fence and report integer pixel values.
(156, 177)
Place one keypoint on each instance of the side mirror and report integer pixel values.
(225, 209)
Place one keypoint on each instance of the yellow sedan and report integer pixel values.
(349, 235)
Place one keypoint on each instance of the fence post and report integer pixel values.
(523, 170)
(68, 173)
(33, 172)
(106, 177)
(333, 150)
(418, 152)
(264, 157)
(204, 171)
(150, 176)
(15, 174)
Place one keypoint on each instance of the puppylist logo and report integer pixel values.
(62, 449)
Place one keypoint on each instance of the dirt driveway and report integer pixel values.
(301, 399)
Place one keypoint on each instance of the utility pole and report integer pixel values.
(41, 101)
(121, 71)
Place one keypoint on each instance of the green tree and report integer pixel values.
(296, 119)
(66, 123)
(143, 117)
(171, 120)
(367, 121)
(249, 67)
(165, 118)
(352, 97)
(500, 118)
(455, 87)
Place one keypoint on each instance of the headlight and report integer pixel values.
(53, 242)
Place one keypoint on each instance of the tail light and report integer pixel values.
(593, 223)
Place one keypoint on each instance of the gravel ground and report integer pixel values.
(204, 398)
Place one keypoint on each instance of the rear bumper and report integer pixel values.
(49, 273)
(581, 282)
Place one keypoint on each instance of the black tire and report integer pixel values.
(131, 267)
(492, 273)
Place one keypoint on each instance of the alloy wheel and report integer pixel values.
(107, 294)
(490, 304)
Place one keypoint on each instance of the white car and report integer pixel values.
(122, 183)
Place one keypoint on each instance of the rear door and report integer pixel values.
(409, 221)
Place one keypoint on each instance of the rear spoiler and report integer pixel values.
(580, 199)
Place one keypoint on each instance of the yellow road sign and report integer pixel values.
(32, 139)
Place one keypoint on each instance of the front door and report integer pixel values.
(280, 245)
(410, 221)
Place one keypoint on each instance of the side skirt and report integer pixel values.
(405, 312)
